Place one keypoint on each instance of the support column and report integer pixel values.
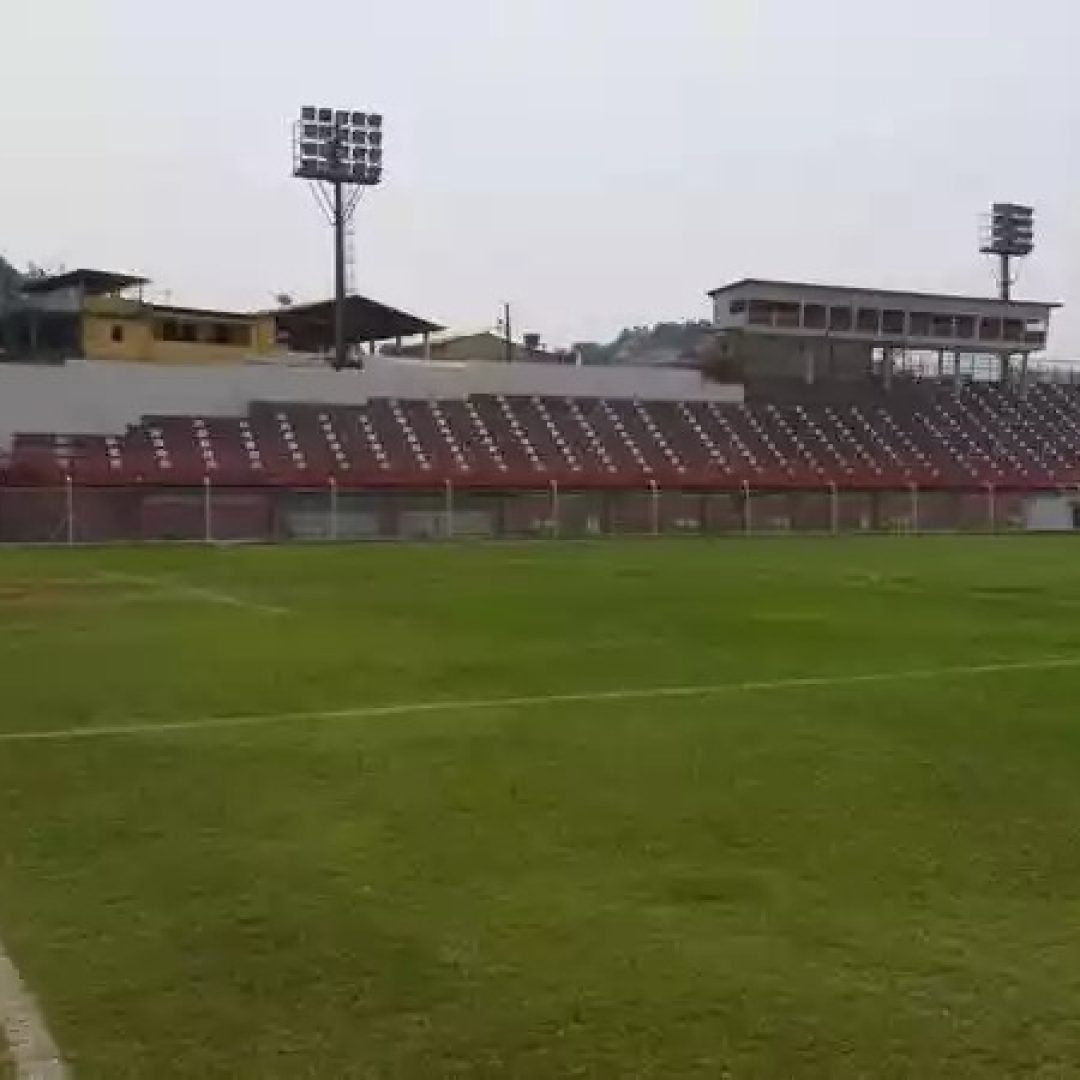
(888, 367)
(956, 372)
(69, 509)
(834, 508)
(941, 364)
(915, 512)
(208, 522)
(991, 507)
(810, 364)
(449, 510)
(654, 510)
(427, 346)
(1024, 358)
(748, 518)
(332, 529)
(1004, 369)
(555, 510)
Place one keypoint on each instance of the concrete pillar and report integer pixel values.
(810, 364)
(1004, 369)
(956, 371)
(940, 364)
(888, 367)
(427, 345)
(1024, 357)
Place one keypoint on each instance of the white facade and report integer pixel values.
(881, 317)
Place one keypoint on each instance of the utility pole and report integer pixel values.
(508, 331)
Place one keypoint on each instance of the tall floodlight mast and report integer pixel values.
(340, 153)
(1008, 233)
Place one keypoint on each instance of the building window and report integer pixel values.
(892, 322)
(189, 331)
(867, 320)
(840, 319)
(990, 330)
(786, 315)
(965, 326)
(814, 317)
(943, 326)
(760, 313)
(117, 333)
(1013, 330)
(737, 307)
(920, 323)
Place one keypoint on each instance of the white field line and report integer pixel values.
(366, 712)
(197, 592)
(32, 1049)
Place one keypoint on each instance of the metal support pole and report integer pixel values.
(915, 523)
(991, 506)
(655, 507)
(449, 511)
(555, 509)
(748, 521)
(834, 507)
(340, 348)
(69, 509)
(208, 524)
(333, 529)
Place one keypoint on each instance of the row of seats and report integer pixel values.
(929, 437)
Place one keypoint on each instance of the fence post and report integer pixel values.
(449, 510)
(208, 524)
(333, 526)
(916, 525)
(834, 507)
(654, 509)
(69, 509)
(748, 520)
(555, 509)
(991, 506)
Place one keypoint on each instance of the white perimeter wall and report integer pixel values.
(101, 398)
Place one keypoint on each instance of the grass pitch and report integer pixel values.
(842, 880)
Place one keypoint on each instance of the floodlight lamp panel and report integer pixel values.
(326, 116)
(309, 113)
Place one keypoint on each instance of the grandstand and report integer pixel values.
(832, 433)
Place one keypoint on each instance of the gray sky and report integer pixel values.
(597, 162)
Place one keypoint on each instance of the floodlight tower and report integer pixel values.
(340, 153)
(1008, 233)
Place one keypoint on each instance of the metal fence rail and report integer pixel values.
(74, 514)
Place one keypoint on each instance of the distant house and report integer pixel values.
(481, 346)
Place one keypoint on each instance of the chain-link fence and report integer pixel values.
(80, 515)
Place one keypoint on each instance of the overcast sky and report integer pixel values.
(596, 162)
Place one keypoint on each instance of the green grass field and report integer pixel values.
(832, 879)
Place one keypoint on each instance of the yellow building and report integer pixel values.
(114, 328)
(102, 316)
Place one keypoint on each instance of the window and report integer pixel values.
(170, 330)
(786, 315)
(990, 330)
(965, 326)
(943, 326)
(920, 323)
(1013, 330)
(760, 313)
(892, 322)
(867, 320)
(188, 331)
(117, 333)
(737, 307)
(840, 319)
(814, 317)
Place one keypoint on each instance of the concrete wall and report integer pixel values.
(99, 397)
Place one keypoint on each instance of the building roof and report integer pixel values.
(198, 312)
(311, 326)
(94, 282)
(863, 290)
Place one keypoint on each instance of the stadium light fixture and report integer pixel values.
(1008, 233)
(340, 153)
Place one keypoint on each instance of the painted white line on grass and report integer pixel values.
(32, 1049)
(197, 592)
(647, 693)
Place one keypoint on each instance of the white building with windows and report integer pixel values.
(786, 329)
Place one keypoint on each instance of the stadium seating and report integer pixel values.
(919, 435)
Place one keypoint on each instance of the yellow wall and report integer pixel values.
(140, 343)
